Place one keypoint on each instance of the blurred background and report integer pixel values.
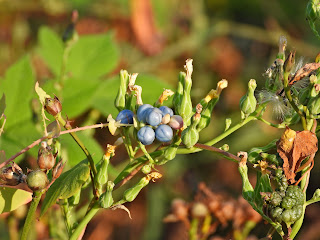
(227, 39)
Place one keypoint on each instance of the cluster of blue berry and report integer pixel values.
(158, 123)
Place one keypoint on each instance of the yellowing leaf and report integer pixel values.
(12, 198)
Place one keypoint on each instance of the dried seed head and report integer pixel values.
(57, 170)
(12, 175)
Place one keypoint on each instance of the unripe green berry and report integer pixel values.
(37, 180)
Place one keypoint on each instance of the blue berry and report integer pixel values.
(166, 110)
(141, 113)
(154, 116)
(146, 135)
(164, 133)
(125, 116)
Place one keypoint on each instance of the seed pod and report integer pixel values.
(120, 100)
(57, 170)
(248, 102)
(190, 135)
(289, 62)
(102, 175)
(178, 94)
(106, 199)
(184, 108)
(46, 160)
(37, 180)
(53, 106)
(131, 193)
(11, 177)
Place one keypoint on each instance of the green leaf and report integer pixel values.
(66, 185)
(93, 56)
(18, 137)
(18, 88)
(77, 95)
(2, 104)
(12, 198)
(74, 152)
(51, 49)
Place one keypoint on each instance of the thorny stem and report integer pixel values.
(31, 212)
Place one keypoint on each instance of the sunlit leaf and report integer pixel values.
(41, 93)
(66, 185)
(2, 104)
(51, 49)
(12, 198)
(93, 56)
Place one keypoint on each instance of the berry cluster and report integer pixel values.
(161, 119)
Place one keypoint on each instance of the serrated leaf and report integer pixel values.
(18, 87)
(12, 198)
(66, 185)
(2, 104)
(93, 56)
(41, 93)
(51, 49)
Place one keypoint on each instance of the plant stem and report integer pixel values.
(218, 138)
(81, 145)
(67, 215)
(289, 97)
(93, 211)
(30, 217)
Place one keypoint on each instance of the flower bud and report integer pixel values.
(131, 193)
(146, 169)
(53, 106)
(248, 102)
(106, 199)
(37, 180)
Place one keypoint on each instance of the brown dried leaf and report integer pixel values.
(293, 147)
(305, 71)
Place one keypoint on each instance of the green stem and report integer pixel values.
(218, 138)
(289, 97)
(30, 217)
(67, 216)
(193, 231)
(79, 142)
(271, 124)
(93, 211)
(144, 150)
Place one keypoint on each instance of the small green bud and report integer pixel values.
(131, 193)
(52, 106)
(106, 199)
(37, 180)
(120, 100)
(190, 136)
(146, 169)
(248, 102)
